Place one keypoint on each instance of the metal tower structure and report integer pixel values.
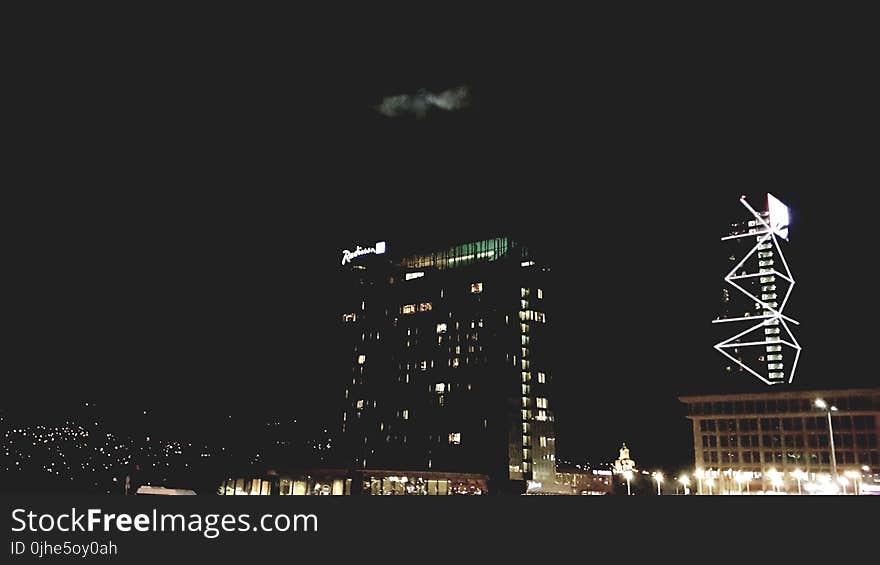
(767, 344)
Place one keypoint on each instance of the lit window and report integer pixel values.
(441, 327)
(768, 279)
(775, 357)
(542, 402)
(476, 287)
(543, 441)
(360, 404)
(523, 293)
(776, 375)
(440, 387)
(424, 365)
(408, 309)
(349, 317)
(770, 296)
(771, 348)
(425, 307)
(526, 376)
(525, 390)
(362, 359)
(771, 331)
(542, 416)
(774, 366)
(405, 414)
(411, 276)
(540, 294)
(455, 438)
(542, 378)
(455, 361)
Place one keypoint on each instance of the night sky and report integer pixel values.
(180, 239)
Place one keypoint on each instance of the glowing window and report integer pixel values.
(455, 438)
(408, 309)
(349, 317)
(476, 287)
(441, 327)
(542, 402)
(425, 307)
(362, 359)
(542, 378)
(440, 387)
(540, 294)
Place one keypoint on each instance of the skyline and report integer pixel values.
(203, 252)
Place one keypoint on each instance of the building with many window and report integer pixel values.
(785, 432)
(447, 366)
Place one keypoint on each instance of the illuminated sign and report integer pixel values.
(779, 216)
(348, 256)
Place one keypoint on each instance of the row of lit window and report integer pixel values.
(411, 308)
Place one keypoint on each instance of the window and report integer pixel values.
(525, 390)
(773, 348)
(441, 328)
(540, 294)
(362, 359)
(425, 307)
(440, 387)
(455, 361)
(405, 414)
(408, 309)
(526, 376)
(523, 293)
(476, 288)
(543, 441)
(542, 378)
(360, 404)
(768, 279)
(349, 317)
(455, 438)
(773, 366)
(542, 403)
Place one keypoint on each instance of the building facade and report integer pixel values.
(447, 363)
(784, 432)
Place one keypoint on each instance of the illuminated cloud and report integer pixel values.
(420, 103)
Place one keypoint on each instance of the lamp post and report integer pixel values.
(820, 403)
(855, 477)
(658, 476)
(799, 476)
(628, 476)
(685, 481)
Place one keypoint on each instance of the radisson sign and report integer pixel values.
(348, 256)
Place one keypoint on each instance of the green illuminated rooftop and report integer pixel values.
(461, 255)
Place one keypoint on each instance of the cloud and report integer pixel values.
(420, 103)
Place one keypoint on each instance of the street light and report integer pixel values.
(855, 476)
(685, 481)
(800, 476)
(699, 474)
(820, 403)
(628, 476)
(658, 476)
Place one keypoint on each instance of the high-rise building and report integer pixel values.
(758, 283)
(447, 363)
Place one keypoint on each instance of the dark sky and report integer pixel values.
(183, 221)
